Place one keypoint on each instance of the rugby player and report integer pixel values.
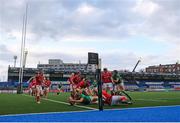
(83, 84)
(59, 88)
(82, 98)
(106, 79)
(39, 81)
(32, 87)
(47, 85)
(94, 87)
(114, 99)
(70, 81)
(76, 79)
(118, 84)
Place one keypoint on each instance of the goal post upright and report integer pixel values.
(100, 101)
(93, 58)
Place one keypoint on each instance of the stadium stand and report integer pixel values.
(131, 87)
(138, 86)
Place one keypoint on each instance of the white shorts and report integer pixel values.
(39, 89)
(46, 88)
(117, 85)
(121, 83)
(115, 100)
(108, 85)
(30, 90)
(71, 87)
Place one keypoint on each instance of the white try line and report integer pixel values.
(60, 102)
(69, 104)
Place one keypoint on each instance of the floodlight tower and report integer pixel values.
(15, 59)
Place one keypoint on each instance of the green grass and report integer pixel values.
(20, 104)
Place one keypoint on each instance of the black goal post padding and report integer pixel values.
(93, 58)
(100, 100)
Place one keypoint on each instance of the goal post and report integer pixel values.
(93, 58)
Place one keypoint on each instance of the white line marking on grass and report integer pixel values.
(80, 106)
(60, 102)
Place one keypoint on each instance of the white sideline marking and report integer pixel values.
(79, 106)
(69, 104)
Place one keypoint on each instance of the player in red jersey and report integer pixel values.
(47, 85)
(106, 79)
(83, 84)
(106, 97)
(32, 87)
(70, 80)
(76, 79)
(114, 99)
(39, 82)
